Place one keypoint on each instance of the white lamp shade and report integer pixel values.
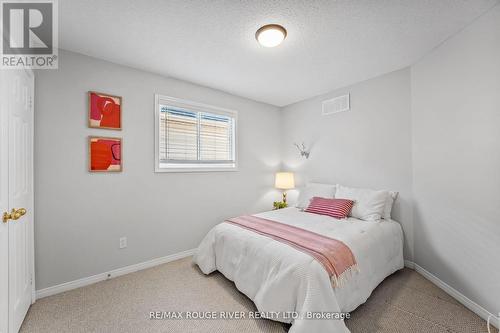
(284, 180)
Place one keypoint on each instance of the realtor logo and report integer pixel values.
(29, 34)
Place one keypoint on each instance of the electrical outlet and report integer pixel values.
(123, 242)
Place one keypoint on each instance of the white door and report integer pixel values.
(4, 206)
(18, 87)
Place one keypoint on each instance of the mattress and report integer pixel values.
(282, 280)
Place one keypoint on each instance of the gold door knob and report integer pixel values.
(15, 214)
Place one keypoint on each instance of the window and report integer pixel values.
(193, 137)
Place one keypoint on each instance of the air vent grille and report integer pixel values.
(337, 104)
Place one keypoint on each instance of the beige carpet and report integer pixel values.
(404, 302)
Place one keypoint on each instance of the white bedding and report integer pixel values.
(279, 278)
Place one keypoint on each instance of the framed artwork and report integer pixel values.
(105, 111)
(105, 154)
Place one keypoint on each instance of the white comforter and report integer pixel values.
(279, 278)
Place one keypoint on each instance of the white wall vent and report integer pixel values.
(337, 104)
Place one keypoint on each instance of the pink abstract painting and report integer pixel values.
(104, 111)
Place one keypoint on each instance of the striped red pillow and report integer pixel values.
(338, 208)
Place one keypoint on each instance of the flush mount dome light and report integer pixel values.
(270, 35)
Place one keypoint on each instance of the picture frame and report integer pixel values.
(105, 154)
(104, 111)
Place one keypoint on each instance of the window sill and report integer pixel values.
(187, 169)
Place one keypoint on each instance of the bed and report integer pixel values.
(282, 280)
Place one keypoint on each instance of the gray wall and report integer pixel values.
(456, 161)
(80, 216)
(368, 146)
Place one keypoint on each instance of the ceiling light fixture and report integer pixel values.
(270, 35)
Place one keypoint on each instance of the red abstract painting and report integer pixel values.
(105, 154)
(105, 111)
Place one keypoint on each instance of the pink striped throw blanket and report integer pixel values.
(334, 255)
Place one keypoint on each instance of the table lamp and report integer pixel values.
(284, 181)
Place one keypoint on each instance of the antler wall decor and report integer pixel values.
(302, 149)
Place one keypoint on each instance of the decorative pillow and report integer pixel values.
(388, 204)
(315, 190)
(368, 204)
(338, 208)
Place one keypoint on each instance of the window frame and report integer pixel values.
(196, 107)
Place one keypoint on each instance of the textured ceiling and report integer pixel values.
(330, 44)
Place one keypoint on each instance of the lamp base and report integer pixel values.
(284, 197)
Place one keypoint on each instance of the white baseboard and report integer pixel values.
(111, 274)
(409, 264)
(468, 303)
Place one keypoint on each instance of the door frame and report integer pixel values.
(31, 227)
(32, 198)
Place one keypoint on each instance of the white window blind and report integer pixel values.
(194, 138)
(216, 138)
(178, 135)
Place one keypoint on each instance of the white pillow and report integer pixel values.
(389, 203)
(315, 190)
(368, 204)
